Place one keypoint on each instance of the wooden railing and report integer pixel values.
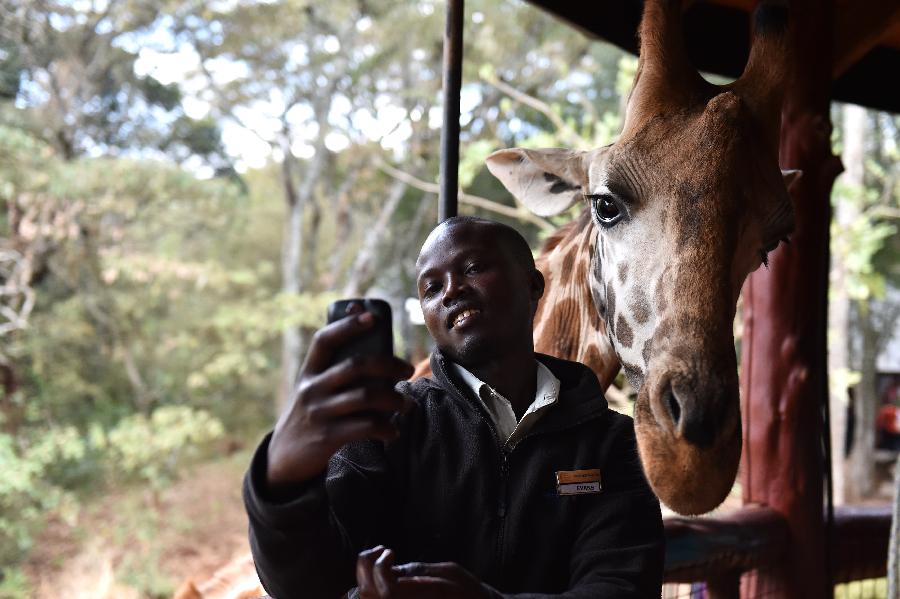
(860, 542)
(719, 550)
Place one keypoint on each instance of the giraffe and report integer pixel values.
(677, 212)
(235, 580)
(567, 323)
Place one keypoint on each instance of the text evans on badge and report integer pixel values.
(578, 482)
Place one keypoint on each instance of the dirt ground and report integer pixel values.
(136, 545)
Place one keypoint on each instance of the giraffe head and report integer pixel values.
(683, 207)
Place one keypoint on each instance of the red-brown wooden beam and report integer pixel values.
(861, 30)
(717, 549)
(860, 541)
(784, 380)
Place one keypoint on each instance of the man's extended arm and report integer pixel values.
(295, 545)
(300, 548)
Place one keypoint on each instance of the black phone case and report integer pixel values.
(377, 340)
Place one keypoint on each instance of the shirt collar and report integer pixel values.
(546, 390)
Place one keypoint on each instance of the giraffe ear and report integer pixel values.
(547, 182)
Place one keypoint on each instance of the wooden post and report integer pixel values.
(725, 586)
(783, 362)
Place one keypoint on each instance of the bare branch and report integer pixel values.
(519, 212)
(362, 266)
(884, 212)
(570, 136)
(211, 84)
(15, 290)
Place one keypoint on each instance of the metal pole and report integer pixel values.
(453, 52)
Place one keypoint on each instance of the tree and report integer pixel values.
(866, 201)
(72, 69)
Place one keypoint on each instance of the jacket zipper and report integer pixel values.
(504, 470)
(504, 462)
(504, 476)
(501, 509)
(504, 485)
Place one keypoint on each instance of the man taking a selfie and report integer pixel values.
(504, 473)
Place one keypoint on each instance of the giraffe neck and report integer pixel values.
(567, 323)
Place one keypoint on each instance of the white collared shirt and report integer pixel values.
(499, 408)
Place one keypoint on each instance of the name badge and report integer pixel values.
(578, 482)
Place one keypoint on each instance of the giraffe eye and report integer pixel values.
(606, 209)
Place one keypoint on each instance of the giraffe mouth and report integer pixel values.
(462, 316)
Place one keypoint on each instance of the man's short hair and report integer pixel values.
(509, 238)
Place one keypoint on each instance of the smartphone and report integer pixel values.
(378, 340)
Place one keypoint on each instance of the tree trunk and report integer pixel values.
(415, 337)
(343, 229)
(845, 212)
(311, 245)
(361, 272)
(294, 340)
(290, 277)
(865, 409)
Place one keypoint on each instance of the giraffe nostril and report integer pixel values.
(673, 406)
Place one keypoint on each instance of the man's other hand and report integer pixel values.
(335, 404)
(379, 578)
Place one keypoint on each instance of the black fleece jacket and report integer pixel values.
(447, 490)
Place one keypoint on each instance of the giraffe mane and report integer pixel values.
(567, 323)
(562, 233)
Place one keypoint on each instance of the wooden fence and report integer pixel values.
(736, 555)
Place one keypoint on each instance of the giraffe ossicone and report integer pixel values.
(677, 213)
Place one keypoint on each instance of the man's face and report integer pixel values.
(478, 302)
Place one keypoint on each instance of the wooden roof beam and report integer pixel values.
(860, 31)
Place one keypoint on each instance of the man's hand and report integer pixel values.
(379, 578)
(335, 404)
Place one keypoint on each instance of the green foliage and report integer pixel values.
(872, 588)
(471, 162)
(128, 311)
(76, 83)
(10, 69)
(26, 494)
(45, 471)
(167, 96)
(625, 77)
(14, 585)
(859, 242)
(153, 449)
(143, 572)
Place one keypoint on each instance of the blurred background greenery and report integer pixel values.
(185, 185)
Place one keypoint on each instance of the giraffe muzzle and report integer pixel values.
(689, 436)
